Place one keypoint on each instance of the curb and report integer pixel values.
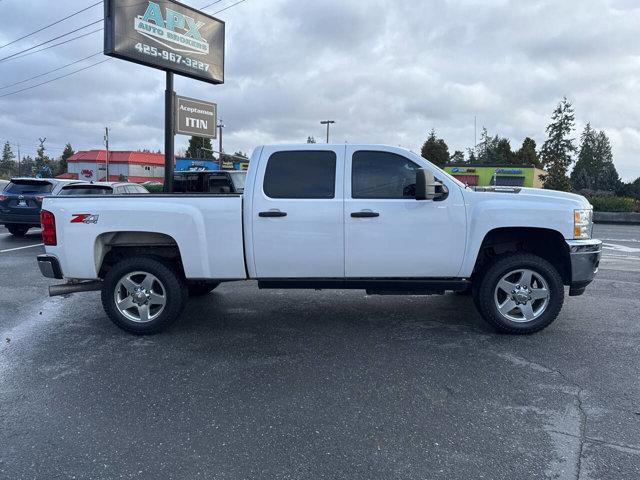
(628, 218)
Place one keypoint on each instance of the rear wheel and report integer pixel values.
(143, 295)
(17, 230)
(520, 293)
(201, 288)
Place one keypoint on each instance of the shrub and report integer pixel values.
(154, 188)
(613, 204)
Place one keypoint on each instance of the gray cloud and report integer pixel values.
(387, 72)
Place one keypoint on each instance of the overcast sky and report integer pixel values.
(386, 72)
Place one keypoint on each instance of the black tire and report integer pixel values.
(201, 288)
(485, 294)
(171, 285)
(17, 230)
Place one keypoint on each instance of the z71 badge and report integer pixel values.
(84, 218)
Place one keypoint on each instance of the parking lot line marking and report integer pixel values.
(21, 248)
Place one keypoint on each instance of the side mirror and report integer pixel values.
(425, 185)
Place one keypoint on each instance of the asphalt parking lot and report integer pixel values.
(304, 384)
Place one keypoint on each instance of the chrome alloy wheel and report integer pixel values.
(522, 295)
(140, 297)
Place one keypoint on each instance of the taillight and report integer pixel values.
(48, 222)
(3, 198)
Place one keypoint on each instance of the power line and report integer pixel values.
(56, 78)
(2, 87)
(227, 8)
(48, 41)
(59, 43)
(210, 4)
(50, 25)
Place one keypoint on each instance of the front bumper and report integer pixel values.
(49, 266)
(585, 259)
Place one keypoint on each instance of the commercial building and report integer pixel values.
(90, 165)
(485, 175)
(196, 164)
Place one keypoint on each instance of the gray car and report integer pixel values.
(103, 188)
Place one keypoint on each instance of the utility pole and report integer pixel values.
(220, 127)
(327, 123)
(19, 169)
(475, 136)
(106, 142)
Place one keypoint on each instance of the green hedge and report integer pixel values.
(613, 204)
(154, 188)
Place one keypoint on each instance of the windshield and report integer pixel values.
(238, 179)
(29, 186)
(86, 191)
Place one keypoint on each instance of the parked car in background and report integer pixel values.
(212, 181)
(21, 202)
(103, 188)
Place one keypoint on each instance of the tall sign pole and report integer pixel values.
(106, 160)
(169, 132)
(173, 37)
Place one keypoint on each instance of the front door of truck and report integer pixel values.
(388, 233)
(297, 213)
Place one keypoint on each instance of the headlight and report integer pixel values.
(582, 224)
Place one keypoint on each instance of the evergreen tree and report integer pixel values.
(435, 150)
(494, 150)
(557, 150)
(472, 156)
(199, 147)
(457, 158)
(27, 167)
(42, 162)
(527, 154)
(62, 166)
(503, 153)
(594, 169)
(585, 172)
(6, 163)
(608, 178)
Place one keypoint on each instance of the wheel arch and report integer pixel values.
(543, 242)
(111, 247)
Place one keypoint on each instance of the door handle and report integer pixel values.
(272, 214)
(365, 214)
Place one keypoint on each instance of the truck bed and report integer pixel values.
(207, 230)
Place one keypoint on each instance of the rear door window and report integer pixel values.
(301, 174)
(28, 187)
(85, 191)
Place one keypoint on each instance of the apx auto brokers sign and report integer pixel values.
(167, 35)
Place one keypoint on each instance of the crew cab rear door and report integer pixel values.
(297, 213)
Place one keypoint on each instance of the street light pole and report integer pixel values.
(327, 123)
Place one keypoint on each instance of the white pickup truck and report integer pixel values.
(370, 217)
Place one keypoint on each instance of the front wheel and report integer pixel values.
(17, 230)
(143, 295)
(520, 293)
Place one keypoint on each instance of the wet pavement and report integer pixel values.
(333, 384)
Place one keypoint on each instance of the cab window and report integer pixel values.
(301, 174)
(382, 175)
